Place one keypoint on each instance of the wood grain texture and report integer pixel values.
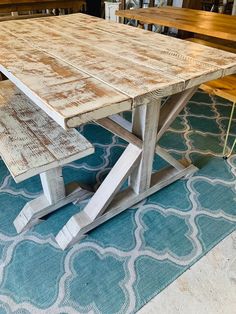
(108, 69)
(136, 53)
(22, 17)
(31, 142)
(88, 55)
(7, 6)
(80, 224)
(224, 87)
(171, 46)
(61, 90)
(196, 21)
(212, 44)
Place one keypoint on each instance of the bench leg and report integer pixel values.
(55, 195)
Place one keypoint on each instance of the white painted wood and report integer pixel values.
(108, 69)
(41, 206)
(110, 9)
(126, 63)
(40, 77)
(31, 142)
(145, 122)
(113, 182)
(118, 130)
(129, 38)
(53, 185)
(234, 8)
(167, 157)
(122, 122)
(70, 233)
(171, 108)
(103, 196)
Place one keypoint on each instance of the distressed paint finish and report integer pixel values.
(84, 56)
(130, 78)
(107, 69)
(31, 142)
(58, 88)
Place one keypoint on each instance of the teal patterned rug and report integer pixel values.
(121, 265)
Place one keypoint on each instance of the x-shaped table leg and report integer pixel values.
(135, 163)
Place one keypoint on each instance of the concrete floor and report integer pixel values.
(209, 287)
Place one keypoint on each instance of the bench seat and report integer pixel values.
(32, 143)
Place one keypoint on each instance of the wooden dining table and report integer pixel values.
(79, 69)
(196, 21)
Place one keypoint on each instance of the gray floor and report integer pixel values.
(209, 287)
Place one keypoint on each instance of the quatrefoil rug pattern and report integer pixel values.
(121, 265)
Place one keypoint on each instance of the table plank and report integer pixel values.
(173, 46)
(131, 78)
(158, 58)
(82, 40)
(196, 21)
(58, 88)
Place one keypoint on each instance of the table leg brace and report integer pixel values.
(55, 195)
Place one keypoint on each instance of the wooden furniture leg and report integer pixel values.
(76, 227)
(135, 163)
(55, 195)
(145, 122)
(172, 107)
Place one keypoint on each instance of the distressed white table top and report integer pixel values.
(79, 68)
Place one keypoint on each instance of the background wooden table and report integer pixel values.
(196, 21)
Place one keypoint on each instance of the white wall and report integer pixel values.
(177, 3)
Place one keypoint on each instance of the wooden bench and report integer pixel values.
(32, 143)
(15, 6)
(224, 87)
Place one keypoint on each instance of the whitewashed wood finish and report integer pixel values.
(103, 196)
(53, 185)
(156, 59)
(159, 70)
(167, 157)
(145, 123)
(124, 123)
(113, 182)
(42, 206)
(79, 69)
(70, 233)
(172, 107)
(31, 142)
(61, 90)
(173, 46)
(131, 78)
(120, 131)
